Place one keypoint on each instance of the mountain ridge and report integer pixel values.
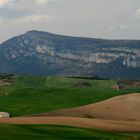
(44, 53)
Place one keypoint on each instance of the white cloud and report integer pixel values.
(1, 21)
(112, 27)
(33, 18)
(123, 26)
(41, 2)
(118, 27)
(138, 13)
(4, 3)
(27, 19)
(55, 1)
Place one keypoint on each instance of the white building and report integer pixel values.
(4, 115)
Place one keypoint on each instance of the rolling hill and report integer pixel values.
(120, 108)
(28, 95)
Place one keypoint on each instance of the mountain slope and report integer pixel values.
(43, 53)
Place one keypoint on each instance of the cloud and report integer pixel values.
(1, 21)
(13, 13)
(41, 2)
(33, 18)
(112, 27)
(54, 1)
(123, 26)
(4, 3)
(10, 4)
(138, 13)
(117, 27)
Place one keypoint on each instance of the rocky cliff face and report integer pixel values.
(43, 53)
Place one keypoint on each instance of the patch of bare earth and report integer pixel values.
(122, 108)
(105, 125)
(6, 80)
(4, 83)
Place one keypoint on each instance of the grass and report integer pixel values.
(29, 95)
(48, 132)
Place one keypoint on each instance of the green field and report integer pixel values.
(28, 95)
(48, 132)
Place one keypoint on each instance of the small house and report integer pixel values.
(4, 115)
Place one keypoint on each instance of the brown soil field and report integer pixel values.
(120, 108)
(105, 125)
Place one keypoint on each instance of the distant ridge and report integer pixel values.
(44, 53)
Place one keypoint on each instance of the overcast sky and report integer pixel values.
(117, 19)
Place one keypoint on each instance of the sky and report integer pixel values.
(109, 19)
